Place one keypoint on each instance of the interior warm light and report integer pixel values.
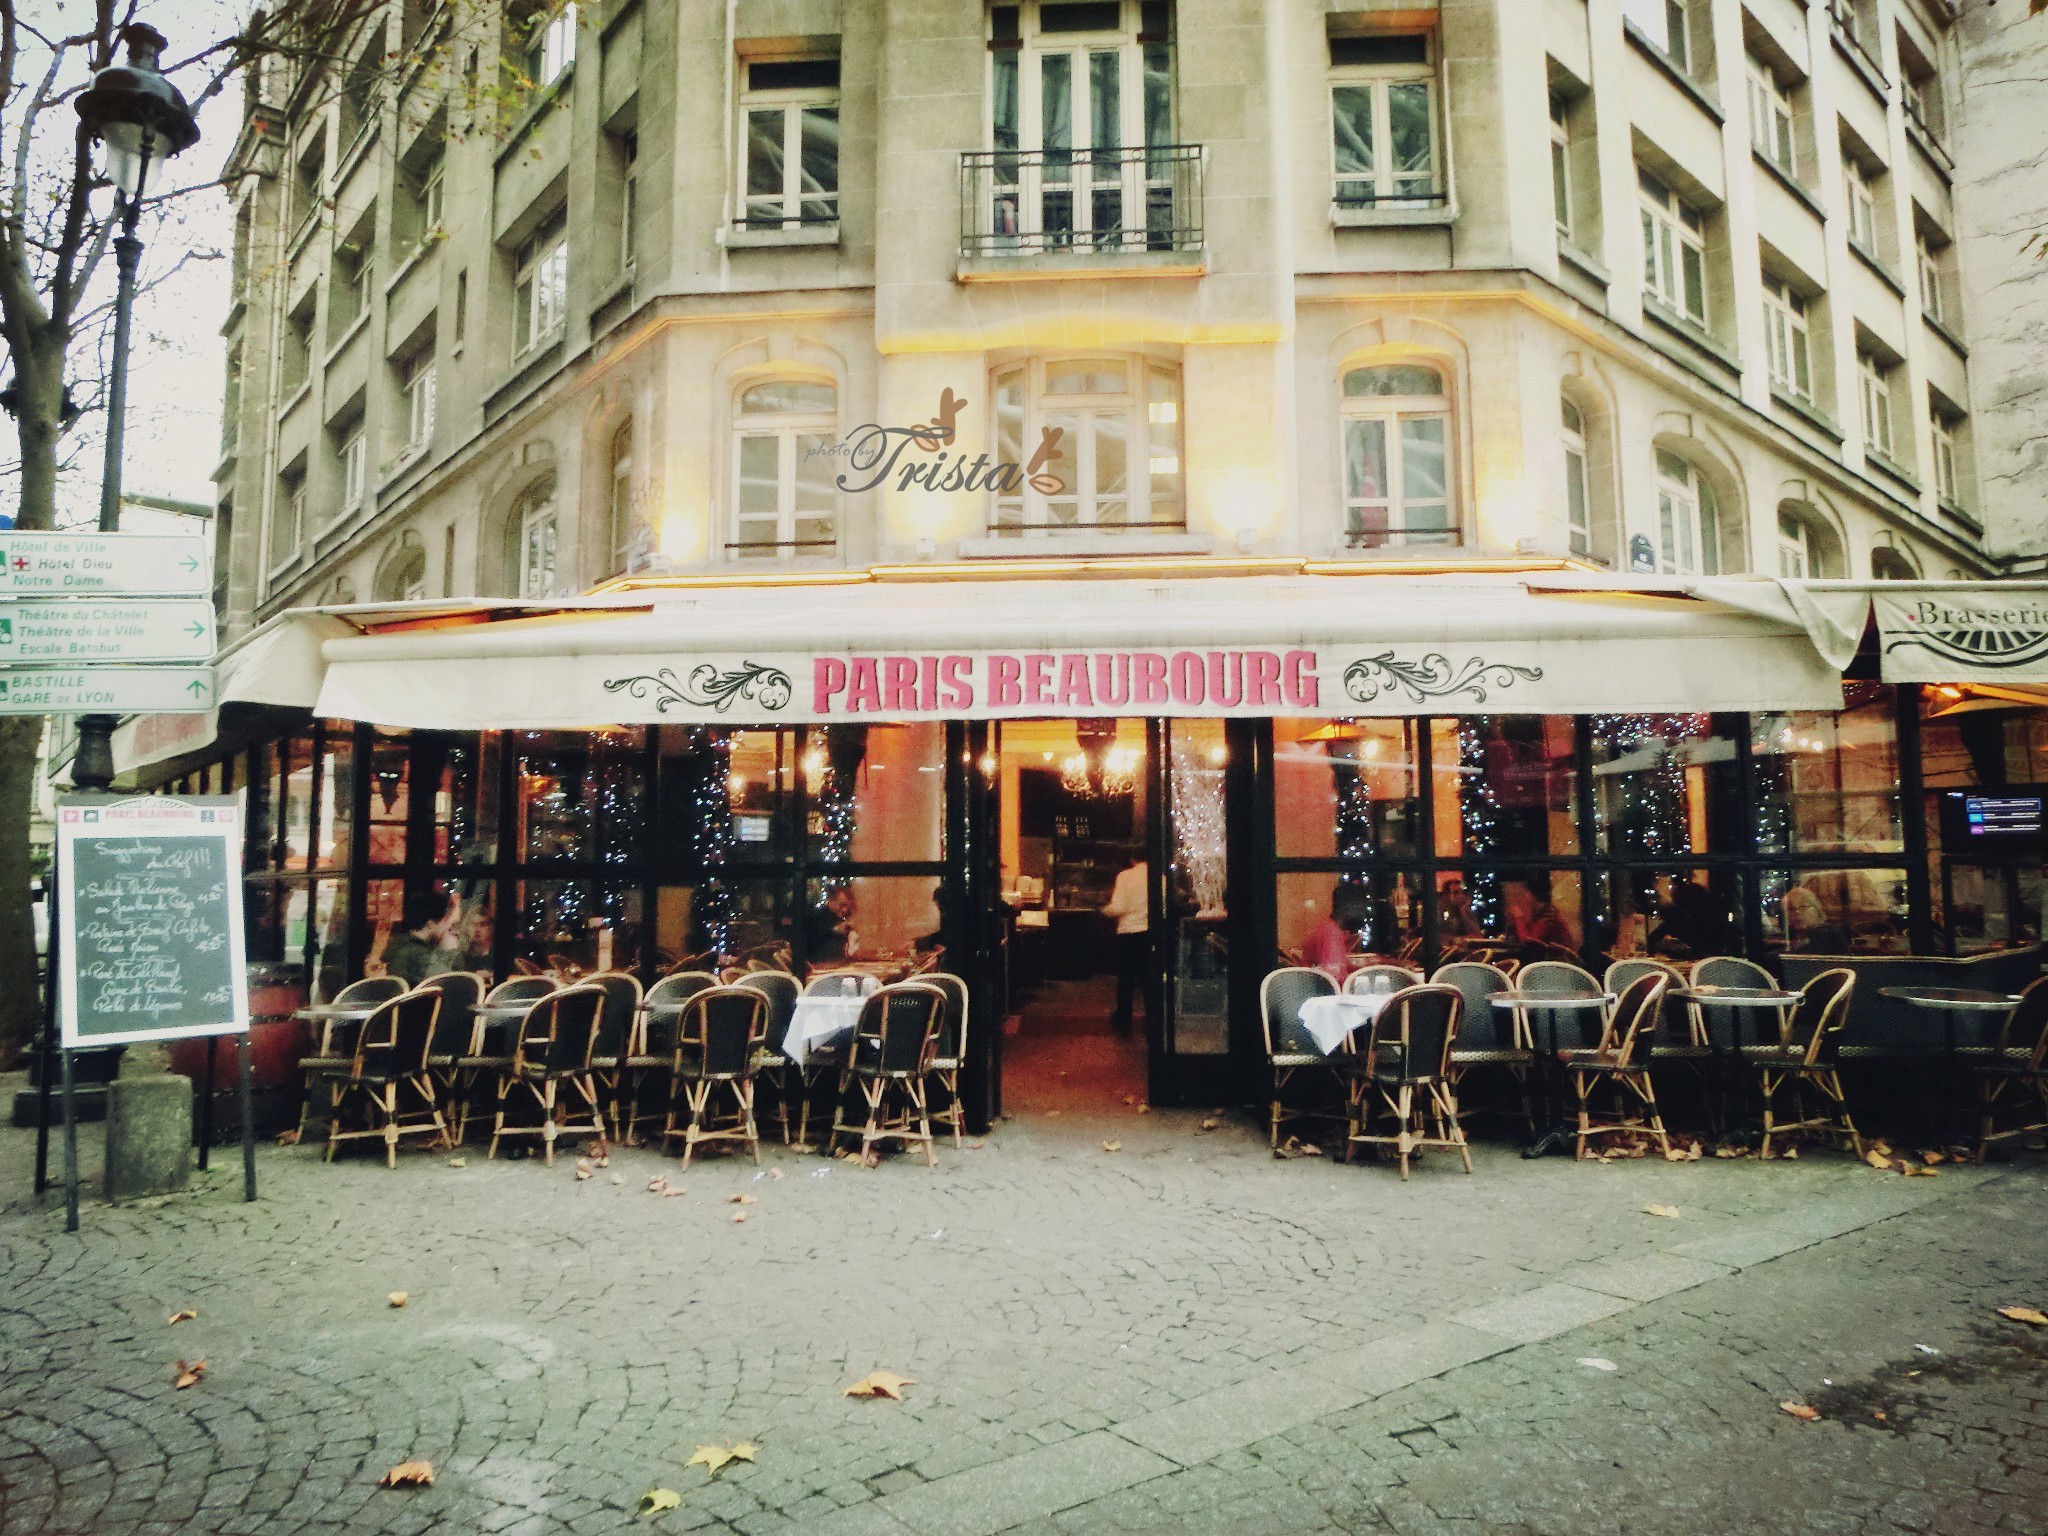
(735, 784)
(1219, 756)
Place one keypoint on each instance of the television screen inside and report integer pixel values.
(1991, 824)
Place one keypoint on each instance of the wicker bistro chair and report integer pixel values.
(647, 1065)
(1488, 1036)
(388, 1092)
(1721, 1028)
(476, 1063)
(1806, 1058)
(1367, 977)
(1621, 1060)
(1290, 1052)
(2016, 1071)
(718, 1040)
(890, 1057)
(618, 1036)
(1555, 978)
(555, 1042)
(782, 989)
(460, 992)
(1405, 1070)
(1677, 1036)
(825, 1064)
(328, 1060)
(951, 1051)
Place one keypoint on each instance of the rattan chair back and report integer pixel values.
(370, 991)
(898, 1032)
(721, 1029)
(1483, 1027)
(1413, 1036)
(1823, 1010)
(1281, 995)
(460, 991)
(573, 1017)
(679, 986)
(1730, 971)
(521, 989)
(782, 990)
(952, 1044)
(1556, 978)
(2025, 1030)
(1633, 1020)
(1367, 977)
(620, 1015)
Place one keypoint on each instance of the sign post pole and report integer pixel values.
(70, 1148)
(206, 1103)
(47, 1052)
(248, 1128)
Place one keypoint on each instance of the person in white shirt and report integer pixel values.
(1130, 903)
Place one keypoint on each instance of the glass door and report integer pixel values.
(1192, 906)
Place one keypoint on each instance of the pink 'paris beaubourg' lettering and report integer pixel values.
(1083, 681)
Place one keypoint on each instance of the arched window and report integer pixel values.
(628, 551)
(784, 499)
(1578, 482)
(1098, 442)
(1688, 519)
(534, 526)
(402, 576)
(1890, 564)
(1397, 426)
(1807, 546)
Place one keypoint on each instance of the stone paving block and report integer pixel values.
(1402, 1359)
(1648, 1277)
(1265, 1405)
(1542, 1313)
(868, 1519)
(1027, 1487)
(1744, 1246)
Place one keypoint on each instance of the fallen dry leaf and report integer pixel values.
(1877, 1159)
(1130, 1098)
(656, 1501)
(458, 1162)
(2032, 1315)
(1726, 1152)
(399, 1298)
(1912, 1172)
(1661, 1210)
(1792, 1154)
(742, 1200)
(658, 1183)
(1881, 1147)
(672, 1194)
(1209, 1124)
(1675, 1155)
(189, 1374)
(880, 1384)
(1112, 1146)
(1144, 1109)
(775, 1173)
(409, 1474)
(738, 1217)
(1693, 1153)
(1931, 1158)
(976, 1146)
(583, 1168)
(1806, 1413)
(183, 1315)
(618, 1178)
(288, 1138)
(712, 1458)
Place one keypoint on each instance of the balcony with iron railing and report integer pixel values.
(1024, 211)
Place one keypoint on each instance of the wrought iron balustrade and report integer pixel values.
(1016, 202)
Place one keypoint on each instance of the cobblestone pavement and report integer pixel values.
(1182, 1334)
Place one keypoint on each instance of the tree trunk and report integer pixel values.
(38, 379)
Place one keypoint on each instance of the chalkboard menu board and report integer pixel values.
(150, 933)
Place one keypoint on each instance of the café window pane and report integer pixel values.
(581, 794)
(1503, 786)
(326, 937)
(466, 800)
(877, 793)
(1678, 916)
(1508, 913)
(260, 811)
(760, 784)
(1829, 783)
(296, 797)
(1344, 788)
(726, 914)
(337, 797)
(1323, 916)
(579, 925)
(1662, 785)
(390, 796)
(871, 917)
(1835, 911)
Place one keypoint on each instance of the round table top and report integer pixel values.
(1737, 997)
(1544, 1000)
(1961, 999)
(505, 1010)
(338, 1010)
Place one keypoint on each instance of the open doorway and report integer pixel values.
(1074, 813)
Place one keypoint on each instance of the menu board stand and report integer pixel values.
(147, 945)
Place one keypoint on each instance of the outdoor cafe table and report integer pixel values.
(1330, 1020)
(1761, 1002)
(1535, 1003)
(491, 1017)
(820, 1021)
(1985, 1008)
(328, 1015)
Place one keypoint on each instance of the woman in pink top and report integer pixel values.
(1329, 944)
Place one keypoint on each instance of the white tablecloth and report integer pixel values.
(819, 1021)
(1329, 1019)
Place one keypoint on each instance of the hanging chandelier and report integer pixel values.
(1100, 769)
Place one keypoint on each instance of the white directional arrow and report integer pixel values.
(63, 632)
(103, 565)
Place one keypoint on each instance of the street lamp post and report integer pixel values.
(140, 118)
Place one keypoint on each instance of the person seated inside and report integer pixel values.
(1807, 929)
(417, 950)
(1330, 943)
(1532, 917)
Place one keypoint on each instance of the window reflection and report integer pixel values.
(872, 917)
(1529, 914)
(1677, 916)
(1662, 784)
(1504, 786)
(338, 797)
(1334, 922)
(295, 798)
(577, 925)
(1835, 911)
(1344, 788)
(877, 792)
(1829, 783)
(582, 795)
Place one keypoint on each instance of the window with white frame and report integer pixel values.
(1787, 348)
(1578, 481)
(417, 381)
(1667, 24)
(1770, 117)
(1861, 201)
(1799, 547)
(1674, 249)
(1397, 432)
(548, 43)
(1383, 121)
(535, 523)
(628, 553)
(789, 171)
(1874, 402)
(1688, 519)
(1943, 425)
(1919, 84)
(288, 528)
(1081, 150)
(1928, 259)
(352, 457)
(785, 502)
(540, 285)
(1099, 439)
(1561, 167)
(434, 196)
(628, 151)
